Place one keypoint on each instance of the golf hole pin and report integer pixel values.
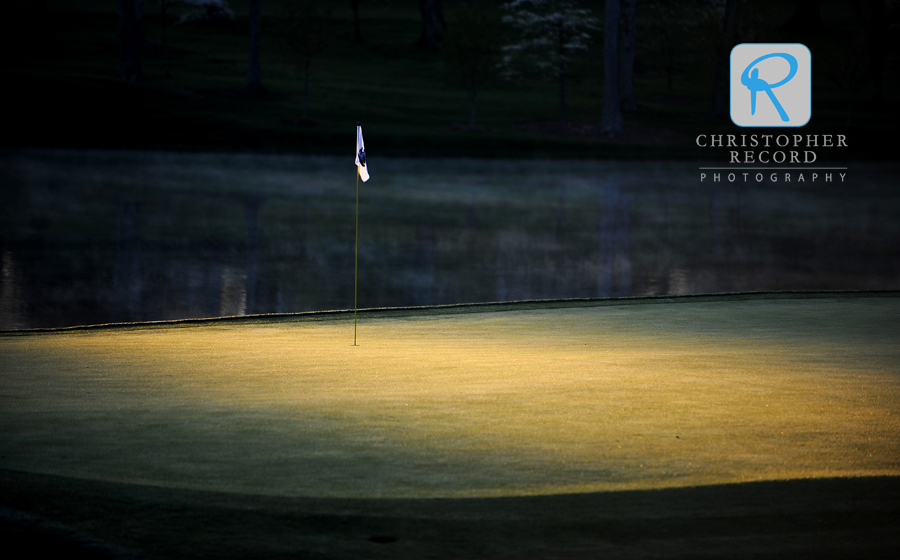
(771, 84)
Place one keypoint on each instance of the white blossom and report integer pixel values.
(210, 10)
(549, 33)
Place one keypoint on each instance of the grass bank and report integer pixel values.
(819, 518)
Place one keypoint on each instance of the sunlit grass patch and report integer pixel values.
(529, 401)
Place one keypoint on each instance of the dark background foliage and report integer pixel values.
(381, 62)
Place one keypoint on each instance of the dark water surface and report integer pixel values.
(97, 237)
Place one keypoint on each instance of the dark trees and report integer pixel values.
(129, 42)
(302, 36)
(720, 88)
(807, 18)
(626, 67)
(163, 7)
(667, 34)
(354, 5)
(139, 23)
(433, 24)
(611, 122)
(254, 81)
(550, 34)
(472, 49)
(875, 23)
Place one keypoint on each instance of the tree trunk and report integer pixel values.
(629, 39)
(671, 51)
(254, 82)
(130, 61)
(611, 125)
(877, 39)
(473, 95)
(433, 24)
(423, 39)
(720, 88)
(163, 4)
(354, 5)
(139, 23)
(306, 67)
(563, 116)
(563, 112)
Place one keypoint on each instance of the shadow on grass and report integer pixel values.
(819, 518)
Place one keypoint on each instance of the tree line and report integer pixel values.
(483, 43)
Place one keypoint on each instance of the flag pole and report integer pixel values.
(356, 254)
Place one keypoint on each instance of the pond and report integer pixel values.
(97, 237)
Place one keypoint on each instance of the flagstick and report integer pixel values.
(356, 258)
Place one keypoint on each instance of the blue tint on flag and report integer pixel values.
(361, 156)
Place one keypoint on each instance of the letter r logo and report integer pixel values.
(771, 84)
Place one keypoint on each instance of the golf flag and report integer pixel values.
(362, 172)
(361, 155)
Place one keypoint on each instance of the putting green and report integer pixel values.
(514, 400)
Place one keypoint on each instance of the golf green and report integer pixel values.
(483, 401)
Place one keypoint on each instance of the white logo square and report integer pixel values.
(771, 84)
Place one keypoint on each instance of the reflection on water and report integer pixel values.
(93, 237)
(11, 299)
(678, 283)
(127, 278)
(251, 220)
(613, 262)
(233, 295)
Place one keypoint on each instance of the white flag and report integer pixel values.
(361, 155)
